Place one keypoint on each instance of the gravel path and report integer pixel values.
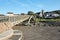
(39, 33)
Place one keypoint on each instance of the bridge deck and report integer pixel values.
(16, 36)
(6, 34)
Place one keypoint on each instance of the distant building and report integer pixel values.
(51, 15)
(9, 14)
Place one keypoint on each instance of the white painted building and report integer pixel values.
(51, 15)
(9, 14)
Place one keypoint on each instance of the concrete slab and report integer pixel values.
(6, 34)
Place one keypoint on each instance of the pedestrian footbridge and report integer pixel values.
(7, 22)
(14, 19)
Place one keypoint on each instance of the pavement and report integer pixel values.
(6, 34)
(39, 33)
(16, 36)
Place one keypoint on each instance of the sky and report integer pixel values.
(23, 6)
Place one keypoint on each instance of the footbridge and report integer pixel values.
(13, 19)
(7, 22)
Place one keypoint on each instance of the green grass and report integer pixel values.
(58, 20)
(36, 19)
(46, 19)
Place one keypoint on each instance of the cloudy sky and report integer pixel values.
(19, 6)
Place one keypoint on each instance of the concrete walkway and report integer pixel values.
(6, 34)
(39, 33)
(16, 36)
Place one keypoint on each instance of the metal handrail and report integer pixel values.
(12, 18)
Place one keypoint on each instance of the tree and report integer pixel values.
(22, 13)
(30, 13)
(56, 11)
(9, 12)
(2, 15)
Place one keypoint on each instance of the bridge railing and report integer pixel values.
(4, 18)
(12, 18)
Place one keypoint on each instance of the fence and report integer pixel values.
(12, 18)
